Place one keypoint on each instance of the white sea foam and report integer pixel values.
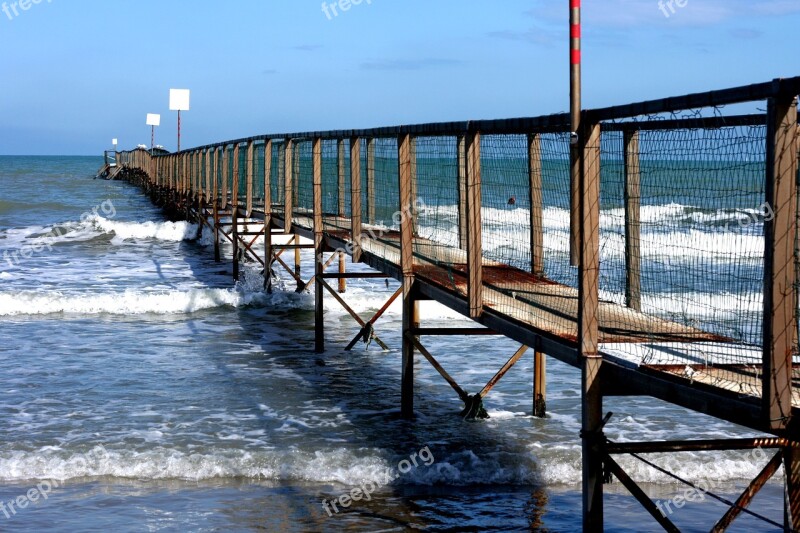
(129, 302)
(552, 464)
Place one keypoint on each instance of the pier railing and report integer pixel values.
(688, 218)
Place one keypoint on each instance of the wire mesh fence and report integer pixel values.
(683, 213)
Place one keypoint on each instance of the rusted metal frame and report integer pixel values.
(435, 364)
(356, 275)
(367, 330)
(328, 263)
(352, 313)
(420, 332)
(502, 372)
(749, 443)
(749, 493)
(639, 494)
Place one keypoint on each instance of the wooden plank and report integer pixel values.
(779, 269)
(341, 177)
(633, 288)
(536, 201)
(249, 179)
(371, 180)
(474, 245)
(355, 194)
(319, 322)
(462, 191)
(288, 186)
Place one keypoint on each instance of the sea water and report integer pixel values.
(142, 390)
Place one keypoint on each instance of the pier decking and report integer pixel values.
(427, 205)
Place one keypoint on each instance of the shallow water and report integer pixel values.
(152, 394)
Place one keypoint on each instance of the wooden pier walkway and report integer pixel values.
(327, 186)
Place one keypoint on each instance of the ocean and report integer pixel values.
(143, 391)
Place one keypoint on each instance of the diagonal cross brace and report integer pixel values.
(353, 314)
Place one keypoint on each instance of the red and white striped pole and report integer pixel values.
(575, 125)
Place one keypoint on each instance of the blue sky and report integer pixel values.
(75, 73)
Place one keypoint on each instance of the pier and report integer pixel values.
(469, 214)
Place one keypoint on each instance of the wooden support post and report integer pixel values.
(297, 266)
(342, 270)
(779, 268)
(535, 191)
(249, 180)
(224, 193)
(319, 322)
(208, 175)
(268, 216)
(370, 180)
(633, 288)
(340, 166)
(539, 385)
(410, 304)
(462, 192)
(288, 196)
(235, 212)
(474, 246)
(588, 297)
(355, 193)
(215, 202)
(414, 185)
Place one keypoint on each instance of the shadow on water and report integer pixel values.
(363, 388)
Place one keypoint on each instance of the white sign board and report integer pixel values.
(179, 99)
(153, 119)
(114, 142)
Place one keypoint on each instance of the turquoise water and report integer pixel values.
(143, 391)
